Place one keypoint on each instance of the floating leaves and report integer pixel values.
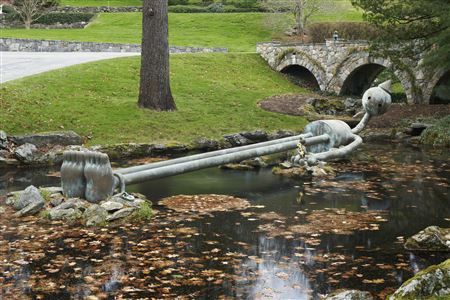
(204, 203)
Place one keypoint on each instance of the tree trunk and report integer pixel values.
(27, 22)
(154, 92)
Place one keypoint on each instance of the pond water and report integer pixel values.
(392, 191)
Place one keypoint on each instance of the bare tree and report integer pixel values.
(302, 10)
(31, 10)
(155, 90)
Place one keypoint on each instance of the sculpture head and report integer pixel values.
(376, 100)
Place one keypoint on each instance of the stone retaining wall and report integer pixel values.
(28, 45)
(98, 9)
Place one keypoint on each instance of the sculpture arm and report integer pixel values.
(338, 153)
(362, 124)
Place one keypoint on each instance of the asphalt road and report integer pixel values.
(14, 65)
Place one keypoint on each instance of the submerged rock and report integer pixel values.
(432, 238)
(431, 283)
(349, 295)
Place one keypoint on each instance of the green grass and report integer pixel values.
(101, 2)
(238, 32)
(216, 94)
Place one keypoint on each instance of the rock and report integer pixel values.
(281, 134)
(255, 136)
(64, 214)
(2, 210)
(349, 295)
(31, 209)
(237, 140)
(56, 201)
(63, 138)
(125, 212)
(29, 196)
(128, 203)
(72, 203)
(4, 153)
(3, 140)
(432, 238)
(26, 153)
(431, 283)
(295, 172)
(206, 144)
(111, 206)
(416, 129)
(95, 215)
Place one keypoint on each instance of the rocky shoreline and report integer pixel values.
(46, 149)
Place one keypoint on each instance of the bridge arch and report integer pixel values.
(357, 72)
(299, 64)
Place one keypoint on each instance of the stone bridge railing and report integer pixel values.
(347, 67)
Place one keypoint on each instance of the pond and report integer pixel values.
(299, 239)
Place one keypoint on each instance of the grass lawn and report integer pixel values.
(215, 93)
(237, 31)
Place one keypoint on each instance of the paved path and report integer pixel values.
(14, 65)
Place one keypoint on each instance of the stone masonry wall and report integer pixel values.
(28, 45)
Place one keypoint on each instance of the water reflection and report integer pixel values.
(411, 187)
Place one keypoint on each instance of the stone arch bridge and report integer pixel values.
(347, 68)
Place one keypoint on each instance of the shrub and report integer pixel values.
(187, 9)
(54, 18)
(178, 2)
(216, 8)
(319, 32)
(64, 18)
(438, 134)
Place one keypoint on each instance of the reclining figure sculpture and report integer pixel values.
(87, 174)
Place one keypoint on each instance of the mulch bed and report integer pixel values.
(291, 104)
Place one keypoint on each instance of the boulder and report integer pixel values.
(111, 206)
(3, 140)
(31, 209)
(64, 214)
(416, 129)
(26, 153)
(432, 238)
(206, 144)
(281, 134)
(63, 138)
(71, 203)
(236, 140)
(95, 215)
(349, 295)
(127, 203)
(431, 283)
(29, 196)
(125, 212)
(255, 136)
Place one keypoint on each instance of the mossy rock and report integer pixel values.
(431, 283)
(294, 173)
(432, 238)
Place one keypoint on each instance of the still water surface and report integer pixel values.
(227, 254)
